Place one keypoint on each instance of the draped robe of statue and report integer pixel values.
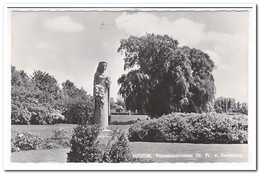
(101, 100)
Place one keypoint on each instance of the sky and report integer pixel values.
(69, 44)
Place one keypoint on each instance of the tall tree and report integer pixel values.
(45, 82)
(163, 77)
(19, 78)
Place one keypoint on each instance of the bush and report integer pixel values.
(19, 113)
(191, 128)
(79, 113)
(25, 141)
(55, 118)
(85, 148)
(118, 150)
(29, 141)
(83, 145)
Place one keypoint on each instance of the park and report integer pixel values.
(92, 132)
(165, 111)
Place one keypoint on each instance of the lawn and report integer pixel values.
(126, 118)
(45, 131)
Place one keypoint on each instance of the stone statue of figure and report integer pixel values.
(101, 96)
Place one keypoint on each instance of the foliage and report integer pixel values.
(118, 150)
(21, 141)
(163, 77)
(224, 105)
(85, 148)
(191, 128)
(83, 145)
(79, 113)
(118, 106)
(45, 82)
(77, 105)
(39, 100)
(121, 104)
(25, 141)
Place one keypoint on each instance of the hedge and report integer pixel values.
(192, 128)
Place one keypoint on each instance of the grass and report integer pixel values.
(127, 118)
(46, 131)
(40, 156)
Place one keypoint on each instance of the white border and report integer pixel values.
(250, 165)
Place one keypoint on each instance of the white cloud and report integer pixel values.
(217, 59)
(63, 24)
(140, 23)
(186, 31)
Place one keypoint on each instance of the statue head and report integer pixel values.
(102, 66)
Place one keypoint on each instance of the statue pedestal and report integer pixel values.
(104, 139)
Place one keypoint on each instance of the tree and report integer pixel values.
(225, 104)
(22, 94)
(244, 108)
(113, 105)
(120, 102)
(19, 78)
(46, 83)
(134, 88)
(39, 100)
(163, 77)
(76, 103)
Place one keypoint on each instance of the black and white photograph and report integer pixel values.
(144, 88)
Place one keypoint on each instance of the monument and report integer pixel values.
(101, 104)
(101, 96)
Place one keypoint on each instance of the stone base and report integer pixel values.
(104, 138)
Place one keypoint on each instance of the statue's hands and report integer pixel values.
(108, 82)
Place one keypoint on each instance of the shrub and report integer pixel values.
(55, 118)
(19, 115)
(85, 148)
(79, 113)
(83, 145)
(25, 141)
(29, 141)
(118, 150)
(191, 128)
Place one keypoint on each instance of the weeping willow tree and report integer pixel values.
(162, 77)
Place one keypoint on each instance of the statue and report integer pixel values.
(101, 96)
